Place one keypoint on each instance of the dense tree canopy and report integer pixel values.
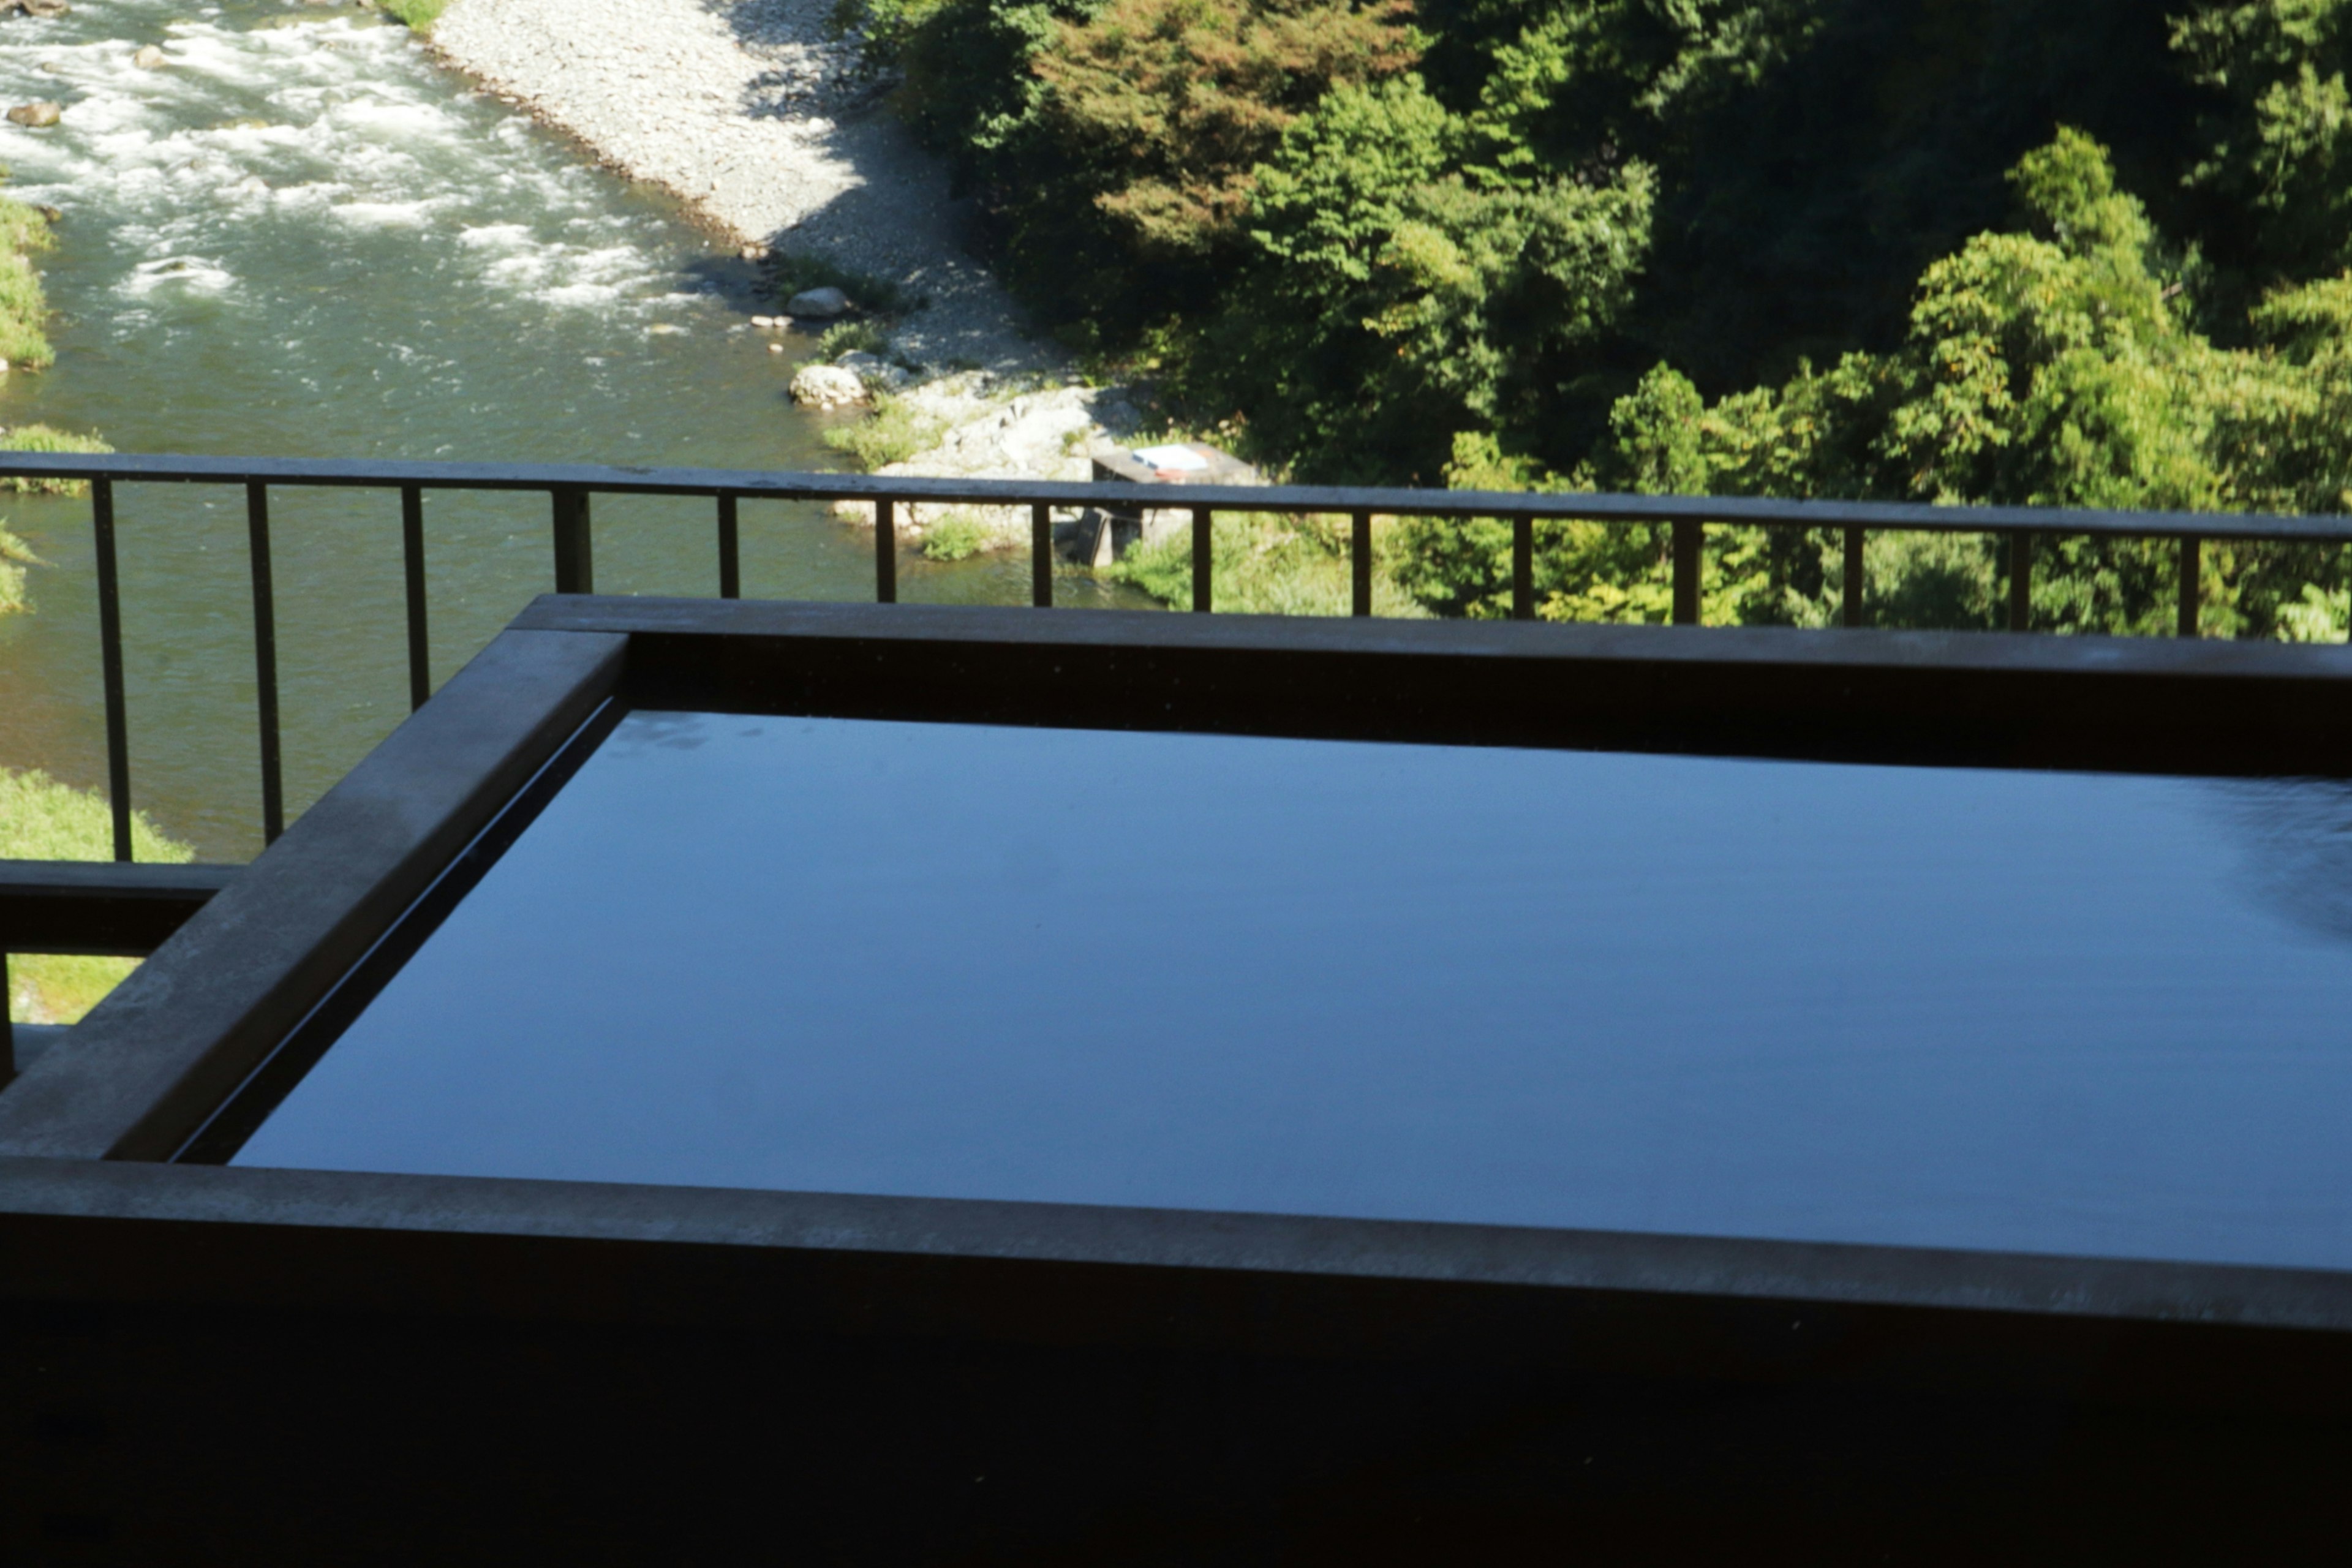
(2000, 250)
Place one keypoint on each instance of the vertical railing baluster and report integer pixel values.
(7, 1027)
(109, 640)
(1523, 568)
(885, 551)
(412, 560)
(2193, 552)
(2020, 581)
(264, 661)
(575, 549)
(1041, 555)
(730, 549)
(1689, 544)
(1203, 596)
(1850, 612)
(1360, 563)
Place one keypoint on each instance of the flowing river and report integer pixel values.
(303, 238)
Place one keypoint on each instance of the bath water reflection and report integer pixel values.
(1949, 1007)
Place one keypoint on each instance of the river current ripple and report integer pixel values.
(302, 237)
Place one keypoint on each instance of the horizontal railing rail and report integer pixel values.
(99, 907)
(784, 485)
(571, 487)
(79, 907)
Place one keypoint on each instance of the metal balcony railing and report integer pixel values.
(570, 488)
(123, 909)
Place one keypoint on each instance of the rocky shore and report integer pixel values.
(987, 425)
(748, 111)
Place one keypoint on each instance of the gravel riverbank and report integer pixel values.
(746, 110)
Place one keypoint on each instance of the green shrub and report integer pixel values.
(46, 439)
(956, 537)
(41, 820)
(852, 337)
(1269, 566)
(893, 433)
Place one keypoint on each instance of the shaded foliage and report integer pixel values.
(2277, 146)
(2052, 365)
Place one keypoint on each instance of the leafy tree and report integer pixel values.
(2052, 367)
(1400, 296)
(1184, 99)
(1583, 571)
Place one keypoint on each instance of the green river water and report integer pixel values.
(305, 240)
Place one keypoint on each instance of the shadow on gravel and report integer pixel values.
(897, 219)
(808, 73)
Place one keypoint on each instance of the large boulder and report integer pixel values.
(34, 8)
(827, 386)
(873, 370)
(36, 114)
(822, 303)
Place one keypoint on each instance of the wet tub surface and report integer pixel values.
(2046, 1012)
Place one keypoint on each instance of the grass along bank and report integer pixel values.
(41, 820)
(1270, 565)
(896, 431)
(14, 556)
(419, 14)
(23, 309)
(46, 439)
(25, 232)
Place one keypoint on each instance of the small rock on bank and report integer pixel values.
(822, 303)
(827, 386)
